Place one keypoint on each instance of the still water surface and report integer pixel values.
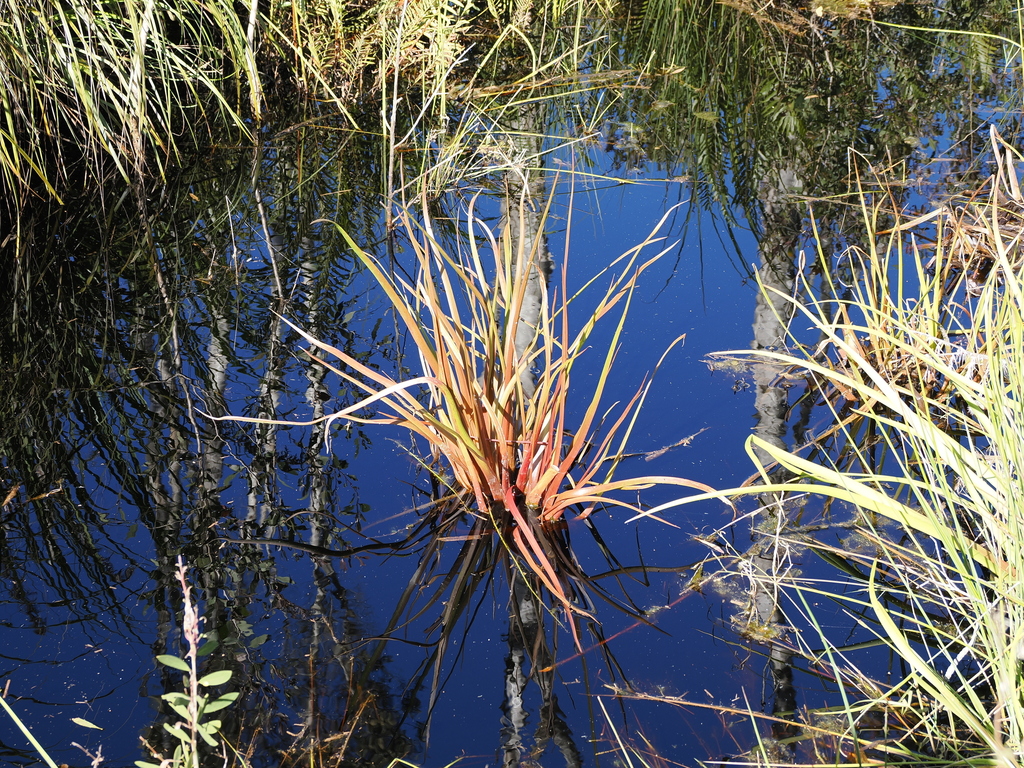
(114, 432)
(90, 654)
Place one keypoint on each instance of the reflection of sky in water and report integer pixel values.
(695, 289)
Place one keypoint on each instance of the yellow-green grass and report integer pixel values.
(923, 368)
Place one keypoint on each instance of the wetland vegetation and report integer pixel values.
(245, 241)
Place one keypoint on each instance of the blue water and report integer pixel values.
(89, 664)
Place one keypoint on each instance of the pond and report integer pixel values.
(354, 631)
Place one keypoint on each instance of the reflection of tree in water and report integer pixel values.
(528, 638)
(527, 635)
(118, 337)
(778, 82)
(346, 711)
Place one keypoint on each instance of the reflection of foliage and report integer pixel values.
(741, 95)
(461, 563)
(115, 333)
(332, 676)
(122, 319)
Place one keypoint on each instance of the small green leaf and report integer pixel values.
(175, 699)
(177, 733)
(180, 711)
(219, 677)
(259, 640)
(224, 701)
(144, 764)
(208, 731)
(210, 726)
(84, 723)
(174, 662)
(208, 647)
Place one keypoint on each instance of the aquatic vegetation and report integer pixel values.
(191, 705)
(144, 467)
(514, 452)
(495, 398)
(101, 91)
(923, 371)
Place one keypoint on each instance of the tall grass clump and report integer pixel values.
(922, 366)
(121, 81)
(129, 87)
(495, 400)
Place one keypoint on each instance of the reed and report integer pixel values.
(495, 398)
(94, 90)
(120, 81)
(922, 369)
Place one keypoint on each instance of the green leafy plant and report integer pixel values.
(191, 705)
